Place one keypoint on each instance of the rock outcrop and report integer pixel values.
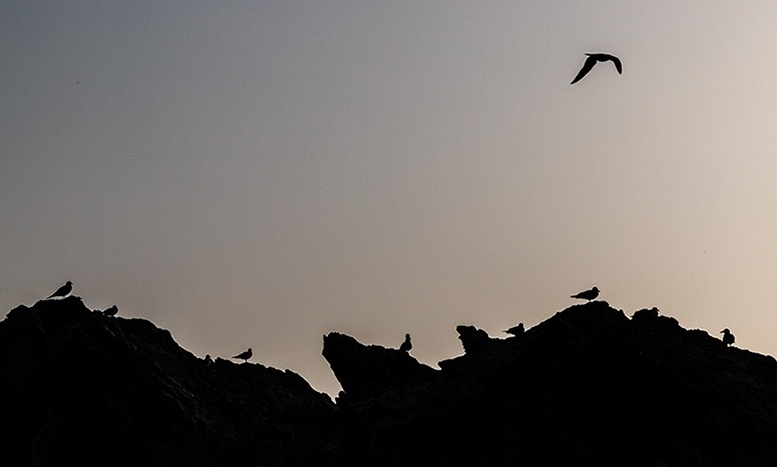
(588, 387)
(80, 388)
(366, 370)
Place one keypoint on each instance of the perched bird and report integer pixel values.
(111, 311)
(245, 355)
(516, 330)
(591, 61)
(587, 294)
(728, 338)
(208, 360)
(62, 291)
(407, 345)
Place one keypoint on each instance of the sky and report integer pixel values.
(259, 174)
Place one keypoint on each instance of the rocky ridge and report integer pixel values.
(588, 386)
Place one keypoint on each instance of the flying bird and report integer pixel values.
(728, 338)
(112, 311)
(62, 291)
(587, 294)
(592, 60)
(407, 345)
(245, 355)
(515, 330)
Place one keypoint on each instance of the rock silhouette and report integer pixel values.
(111, 311)
(473, 339)
(588, 386)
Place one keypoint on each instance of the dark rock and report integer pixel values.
(80, 388)
(587, 387)
(473, 339)
(363, 370)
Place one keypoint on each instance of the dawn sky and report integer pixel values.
(258, 174)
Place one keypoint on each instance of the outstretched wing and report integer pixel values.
(587, 66)
(617, 63)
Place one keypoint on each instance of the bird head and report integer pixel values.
(68, 283)
(725, 331)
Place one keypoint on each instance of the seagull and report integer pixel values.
(588, 294)
(245, 355)
(407, 345)
(208, 360)
(62, 291)
(591, 61)
(515, 330)
(728, 338)
(111, 311)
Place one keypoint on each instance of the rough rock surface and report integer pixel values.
(586, 387)
(81, 388)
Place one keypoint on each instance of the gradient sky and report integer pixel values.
(258, 174)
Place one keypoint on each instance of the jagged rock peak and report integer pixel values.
(367, 369)
(473, 339)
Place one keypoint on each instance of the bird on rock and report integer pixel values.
(245, 355)
(728, 338)
(407, 345)
(587, 294)
(112, 311)
(515, 330)
(62, 291)
(208, 360)
(592, 60)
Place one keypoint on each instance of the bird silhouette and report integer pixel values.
(208, 360)
(245, 355)
(587, 294)
(62, 291)
(112, 311)
(407, 345)
(592, 60)
(728, 338)
(515, 330)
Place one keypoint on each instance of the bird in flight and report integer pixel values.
(587, 294)
(62, 291)
(516, 330)
(591, 61)
(407, 345)
(245, 355)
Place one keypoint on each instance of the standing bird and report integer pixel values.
(515, 330)
(407, 345)
(245, 355)
(728, 338)
(591, 61)
(62, 291)
(587, 294)
(112, 311)
(208, 360)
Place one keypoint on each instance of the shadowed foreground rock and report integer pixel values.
(79, 388)
(587, 387)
